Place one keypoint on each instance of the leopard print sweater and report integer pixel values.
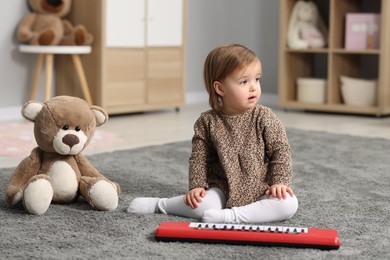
(242, 155)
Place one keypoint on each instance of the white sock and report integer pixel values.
(143, 205)
(219, 216)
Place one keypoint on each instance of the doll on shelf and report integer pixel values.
(306, 28)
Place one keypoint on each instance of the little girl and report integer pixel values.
(240, 166)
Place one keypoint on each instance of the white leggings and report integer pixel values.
(264, 210)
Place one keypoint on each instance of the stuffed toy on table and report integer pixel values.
(46, 25)
(306, 28)
(56, 171)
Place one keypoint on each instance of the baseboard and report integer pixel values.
(13, 113)
(266, 99)
(10, 113)
(269, 100)
(196, 97)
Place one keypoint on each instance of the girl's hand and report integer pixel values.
(279, 191)
(194, 197)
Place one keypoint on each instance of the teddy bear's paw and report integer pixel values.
(25, 35)
(103, 195)
(37, 196)
(13, 195)
(88, 39)
(81, 36)
(47, 38)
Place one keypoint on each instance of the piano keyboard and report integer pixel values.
(248, 234)
(237, 227)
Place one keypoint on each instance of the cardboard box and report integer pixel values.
(362, 31)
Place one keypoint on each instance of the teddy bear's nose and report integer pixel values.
(54, 3)
(70, 140)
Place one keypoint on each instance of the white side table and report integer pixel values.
(48, 52)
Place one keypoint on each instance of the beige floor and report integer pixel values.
(166, 126)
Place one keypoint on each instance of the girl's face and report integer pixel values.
(240, 90)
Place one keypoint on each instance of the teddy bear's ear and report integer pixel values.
(100, 115)
(31, 109)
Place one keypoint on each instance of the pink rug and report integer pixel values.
(17, 139)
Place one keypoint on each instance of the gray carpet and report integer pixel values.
(342, 182)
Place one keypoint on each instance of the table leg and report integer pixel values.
(49, 75)
(83, 81)
(37, 73)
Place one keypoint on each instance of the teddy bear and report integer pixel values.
(306, 28)
(56, 171)
(46, 25)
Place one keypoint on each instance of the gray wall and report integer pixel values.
(253, 23)
(15, 68)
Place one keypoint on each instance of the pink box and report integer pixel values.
(362, 31)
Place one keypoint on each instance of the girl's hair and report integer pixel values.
(220, 63)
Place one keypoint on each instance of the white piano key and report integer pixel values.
(229, 226)
(218, 226)
(238, 227)
(285, 229)
(247, 227)
(295, 230)
(279, 229)
(273, 228)
(193, 225)
(256, 228)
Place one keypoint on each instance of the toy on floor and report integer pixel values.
(248, 234)
(306, 28)
(46, 25)
(56, 171)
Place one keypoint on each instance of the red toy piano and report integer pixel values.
(248, 234)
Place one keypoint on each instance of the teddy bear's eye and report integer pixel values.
(65, 127)
(77, 128)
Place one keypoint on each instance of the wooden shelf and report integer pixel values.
(333, 108)
(322, 50)
(360, 52)
(137, 62)
(333, 61)
(336, 50)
